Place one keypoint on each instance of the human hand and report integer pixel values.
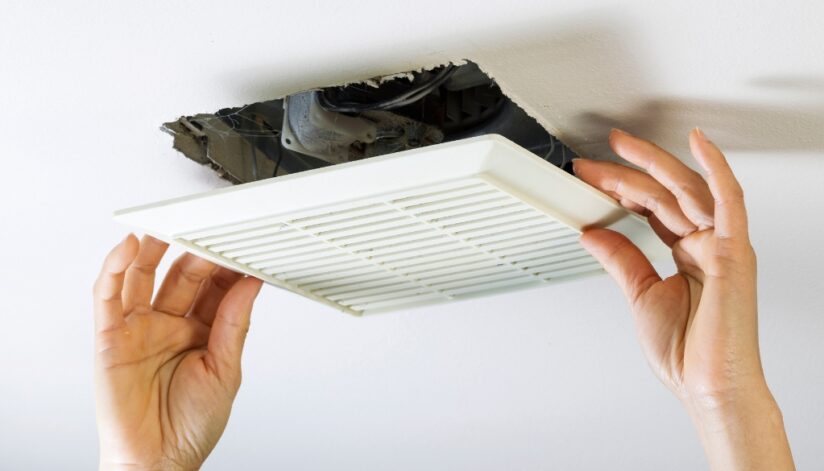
(698, 328)
(166, 371)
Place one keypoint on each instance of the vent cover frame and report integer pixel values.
(485, 176)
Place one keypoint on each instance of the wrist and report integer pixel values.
(743, 402)
(165, 465)
(741, 430)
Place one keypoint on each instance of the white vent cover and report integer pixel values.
(441, 223)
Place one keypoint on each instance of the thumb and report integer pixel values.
(625, 262)
(229, 328)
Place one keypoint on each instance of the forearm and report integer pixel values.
(742, 433)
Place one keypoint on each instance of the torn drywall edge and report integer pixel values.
(532, 113)
(522, 121)
(376, 80)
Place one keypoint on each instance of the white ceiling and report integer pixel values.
(544, 379)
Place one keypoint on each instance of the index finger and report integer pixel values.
(108, 304)
(140, 275)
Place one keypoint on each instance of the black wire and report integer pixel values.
(280, 157)
(410, 96)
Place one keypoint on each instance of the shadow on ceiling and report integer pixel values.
(757, 128)
(581, 62)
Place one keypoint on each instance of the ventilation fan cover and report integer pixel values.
(441, 223)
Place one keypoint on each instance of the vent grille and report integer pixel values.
(440, 243)
(438, 224)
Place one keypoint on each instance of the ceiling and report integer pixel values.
(544, 379)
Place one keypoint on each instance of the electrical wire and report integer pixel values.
(280, 157)
(410, 96)
(552, 142)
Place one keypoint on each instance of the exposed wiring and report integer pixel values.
(410, 96)
(552, 142)
(280, 157)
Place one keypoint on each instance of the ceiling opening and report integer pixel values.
(383, 115)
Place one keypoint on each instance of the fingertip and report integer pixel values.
(613, 138)
(255, 285)
(576, 165)
(149, 239)
(586, 238)
(587, 244)
(702, 148)
(695, 138)
(617, 135)
(129, 241)
(132, 244)
(122, 254)
(592, 239)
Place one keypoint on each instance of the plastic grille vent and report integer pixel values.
(440, 243)
(437, 224)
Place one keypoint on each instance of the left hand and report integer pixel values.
(166, 371)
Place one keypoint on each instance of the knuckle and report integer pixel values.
(736, 253)
(695, 176)
(616, 184)
(223, 282)
(734, 194)
(146, 269)
(688, 186)
(660, 200)
(652, 202)
(190, 277)
(750, 256)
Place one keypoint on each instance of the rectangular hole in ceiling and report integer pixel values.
(326, 126)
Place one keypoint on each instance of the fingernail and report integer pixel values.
(699, 133)
(125, 239)
(620, 131)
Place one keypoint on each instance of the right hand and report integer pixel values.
(698, 328)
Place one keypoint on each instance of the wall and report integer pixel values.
(546, 379)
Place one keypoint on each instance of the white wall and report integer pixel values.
(546, 379)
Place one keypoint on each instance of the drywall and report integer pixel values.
(547, 379)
